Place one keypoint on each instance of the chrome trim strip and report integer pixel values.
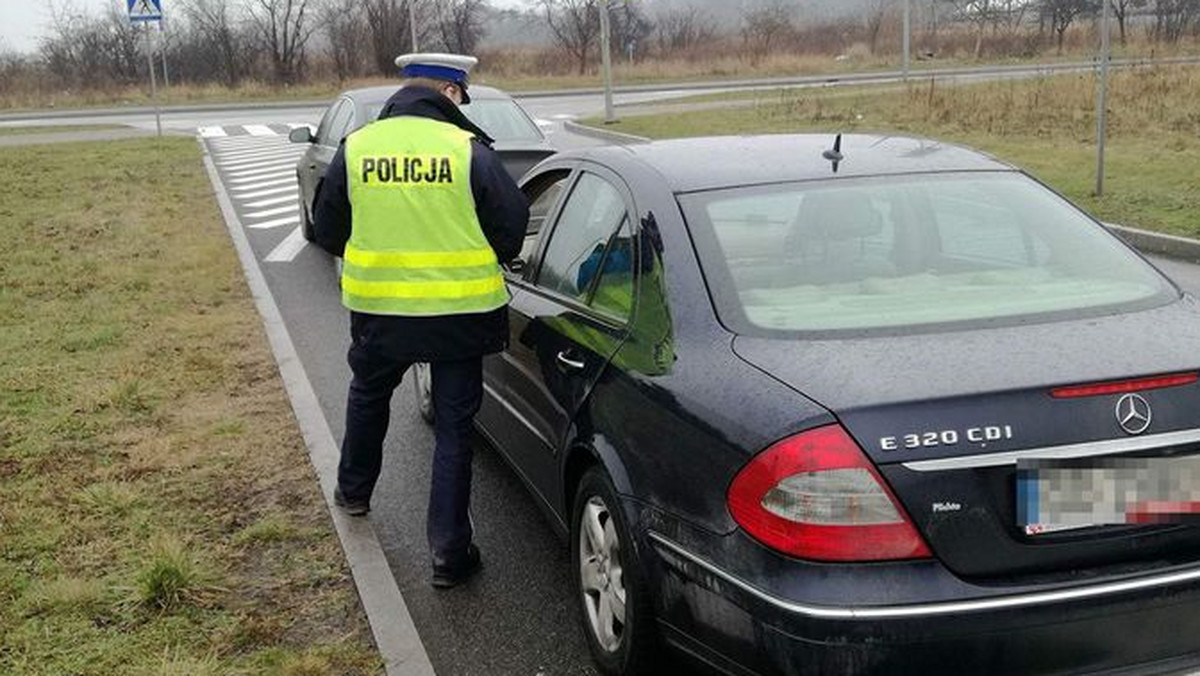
(1084, 450)
(917, 610)
(515, 413)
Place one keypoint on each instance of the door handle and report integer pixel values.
(568, 363)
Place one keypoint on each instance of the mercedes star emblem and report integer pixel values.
(1133, 413)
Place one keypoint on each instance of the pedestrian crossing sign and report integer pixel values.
(145, 10)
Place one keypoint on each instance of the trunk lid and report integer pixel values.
(946, 416)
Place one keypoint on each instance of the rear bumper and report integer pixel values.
(1149, 624)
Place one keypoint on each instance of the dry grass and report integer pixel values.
(144, 433)
(1046, 125)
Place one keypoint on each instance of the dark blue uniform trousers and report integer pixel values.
(457, 394)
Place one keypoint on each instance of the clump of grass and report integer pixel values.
(233, 427)
(64, 595)
(131, 396)
(267, 530)
(109, 498)
(170, 577)
(176, 663)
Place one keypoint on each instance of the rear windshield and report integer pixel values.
(502, 119)
(892, 252)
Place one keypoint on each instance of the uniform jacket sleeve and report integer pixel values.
(331, 208)
(500, 205)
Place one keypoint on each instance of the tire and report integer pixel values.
(306, 226)
(622, 643)
(423, 389)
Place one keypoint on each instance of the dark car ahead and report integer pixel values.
(519, 141)
(921, 415)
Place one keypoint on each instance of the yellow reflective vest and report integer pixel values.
(416, 247)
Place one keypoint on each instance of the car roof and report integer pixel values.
(369, 95)
(712, 162)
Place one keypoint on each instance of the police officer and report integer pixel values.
(422, 212)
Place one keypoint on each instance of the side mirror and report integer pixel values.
(301, 135)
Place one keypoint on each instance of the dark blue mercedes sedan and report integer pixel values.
(891, 408)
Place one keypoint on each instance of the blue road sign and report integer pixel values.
(145, 10)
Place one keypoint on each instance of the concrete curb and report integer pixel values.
(603, 134)
(393, 629)
(1171, 246)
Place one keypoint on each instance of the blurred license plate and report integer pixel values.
(1057, 495)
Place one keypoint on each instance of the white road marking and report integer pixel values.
(267, 169)
(290, 180)
(274, 223)
(260, 162)
(271, 201)
(257, 152)
(259, 130)
(212, 132)
(277, 211)
(246, 141)
(251, 179)
(269, 191)
(287, 250)
(234, 151)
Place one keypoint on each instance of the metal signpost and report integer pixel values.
(1102, 100)
(147, 11)
(907, 33)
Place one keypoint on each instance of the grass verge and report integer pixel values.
(57, 129)
(1045, 125)
(159, 515)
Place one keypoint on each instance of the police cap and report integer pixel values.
(449, 67)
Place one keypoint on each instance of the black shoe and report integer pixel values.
(350, 506)
(447, 575)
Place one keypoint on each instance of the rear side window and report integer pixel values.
(589, 219)
(888, 252)
(543, 193)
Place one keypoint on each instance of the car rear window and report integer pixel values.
(893, 252)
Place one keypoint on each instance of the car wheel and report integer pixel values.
(423, 388)
(609, 581)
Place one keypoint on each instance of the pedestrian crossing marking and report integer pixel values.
(289, 248)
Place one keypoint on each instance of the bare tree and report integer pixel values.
(391, 36)
(1121, 9)
(1173, 17)
(629, 26)
(342, 23)
(1061, 14)
(283, 29)
(765, 27)
(459, 24)
(220, 40)
(682, 28)
(978, 13)
(876, 12)
(575, 25)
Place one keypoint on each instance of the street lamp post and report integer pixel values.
(412, 23)
(606, 61)
(907, 32)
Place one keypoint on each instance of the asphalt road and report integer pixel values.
(518, 616)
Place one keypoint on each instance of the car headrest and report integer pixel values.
(838, 215)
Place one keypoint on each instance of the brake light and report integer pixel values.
(1122, 386)
(816, 496)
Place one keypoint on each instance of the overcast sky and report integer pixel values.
(22, 22)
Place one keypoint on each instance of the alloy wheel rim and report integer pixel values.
(601, 574)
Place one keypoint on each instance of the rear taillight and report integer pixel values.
(816, 496)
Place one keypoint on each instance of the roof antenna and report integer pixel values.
(835, 155)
